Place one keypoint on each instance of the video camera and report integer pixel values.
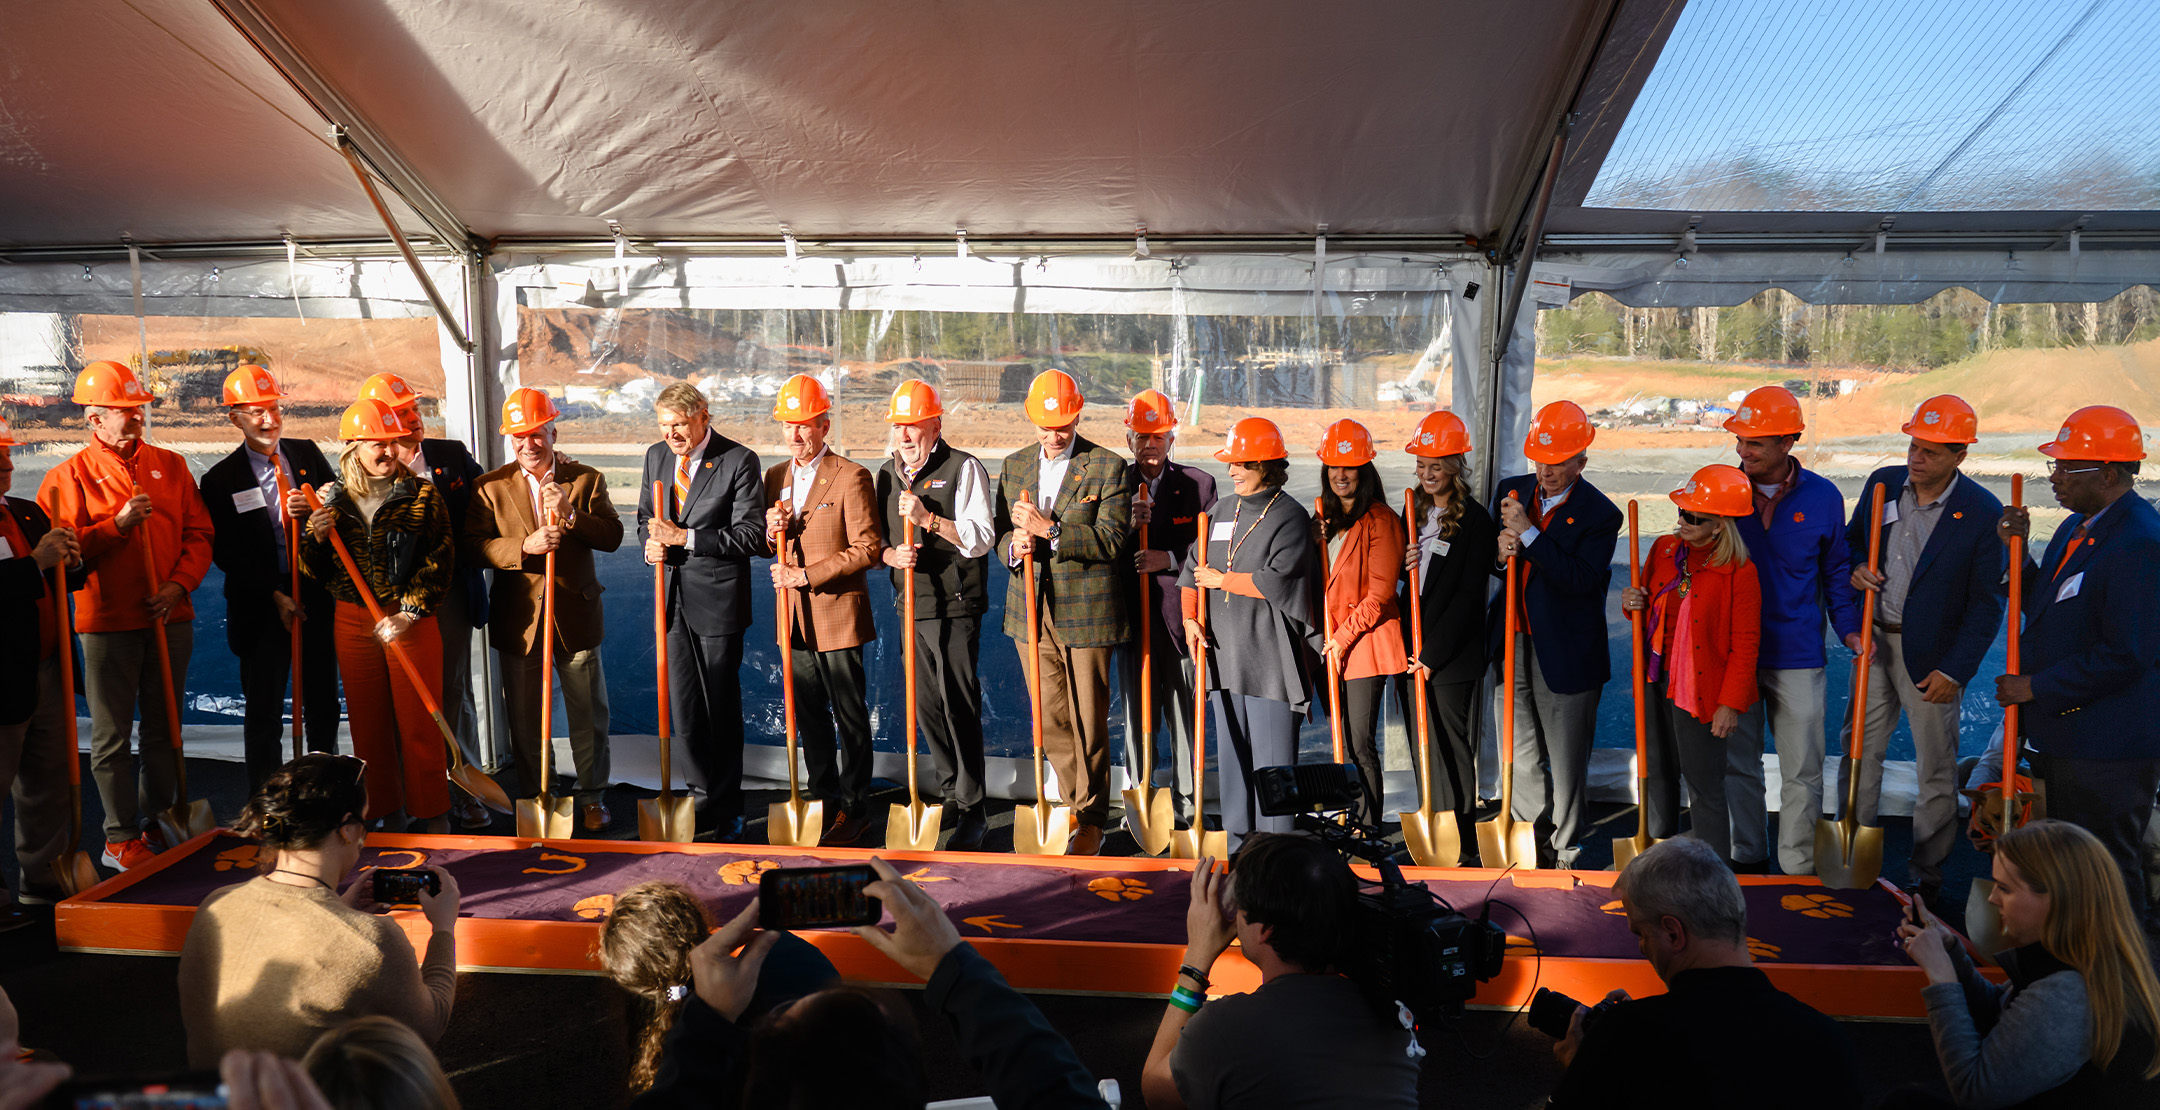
(1412, 945)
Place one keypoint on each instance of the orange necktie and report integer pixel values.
(2075, 539)
(682, 486)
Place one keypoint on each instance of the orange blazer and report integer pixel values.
(1725, 622)
(1361, 595)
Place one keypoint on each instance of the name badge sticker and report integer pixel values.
(1441, 547)
(1889, 513)
(1221, 531)
(2070, 587)
(249, 500)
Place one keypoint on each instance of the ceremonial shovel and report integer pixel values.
(1848, 855)
(1327, 631)
(1431, 843)
(1151, 811)
(1197, 842)
(186, 820)
(666, 817)
(74, 869)
(913, 826)
(793, 823)
(1502, 840)
(292, 560)
(546, 817)
(1628, 847)
(1983, 922)
(1040, 829)
(468, 778)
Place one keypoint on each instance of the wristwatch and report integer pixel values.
(1054, 530)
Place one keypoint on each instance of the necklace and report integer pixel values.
(312, 878)
(1231, 561)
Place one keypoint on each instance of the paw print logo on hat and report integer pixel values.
(1745, 413)
(1050, 403)
(1544, 439)
(904, 403)
(1342, 446)
(1118, 890)
(1815, 905)
(1425, 439)
(1931, 417)
(794, 402)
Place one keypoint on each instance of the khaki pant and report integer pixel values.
(1792, 711)
(120, 679)
(1935, 745)
(1076, 722)
(34, 755)
(585, 703)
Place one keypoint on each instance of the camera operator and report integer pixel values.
(1308, 1037)
(1709, 1032)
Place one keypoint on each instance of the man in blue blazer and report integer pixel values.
(1938, 608)
(1565, 531)
(710, 522)
(2092, 641)
(1796, 539)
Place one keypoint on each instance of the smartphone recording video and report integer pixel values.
(817, 897)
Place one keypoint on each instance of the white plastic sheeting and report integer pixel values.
(1716, 278)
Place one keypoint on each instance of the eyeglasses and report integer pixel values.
(1695, 520)
(2058, 467)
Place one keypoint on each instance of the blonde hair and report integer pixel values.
(2090, 927)
(1728, 547)
(682, 399)
(376, 1063)
(1450, 517)
(352, 476)
(645, 947)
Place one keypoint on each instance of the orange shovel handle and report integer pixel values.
(374, 608)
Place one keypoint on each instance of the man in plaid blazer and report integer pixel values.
(821, 511)
(1075, 522)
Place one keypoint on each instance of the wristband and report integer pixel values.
(1195, 974)
(1186, 1000)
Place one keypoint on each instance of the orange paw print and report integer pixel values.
(246, 857)
(1521, 946)
(745, 872)
(1614, 908)
(595, 907)
(1763, 949)
(1119, 890)
(1815, 905)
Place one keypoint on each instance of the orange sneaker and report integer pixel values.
(126, 855)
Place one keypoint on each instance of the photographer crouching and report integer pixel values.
(1720, 1031)
(1308, 1036)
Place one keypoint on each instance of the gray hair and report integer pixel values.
(1684, 878)
(682, 399)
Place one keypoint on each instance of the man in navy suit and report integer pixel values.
(449, 466)
(246, 494)
(2092, 641)
(1170, 507)
(710, 523)
(1565, 531)
(1938, 608)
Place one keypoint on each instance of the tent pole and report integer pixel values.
(434, 295)
(1517, 284)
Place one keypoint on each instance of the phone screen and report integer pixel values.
(817, 897)
(199, 1091)
(401, 886)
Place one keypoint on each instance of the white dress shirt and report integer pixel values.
(1049, 478)
(265, 469)
(803, 477)
(974, 526)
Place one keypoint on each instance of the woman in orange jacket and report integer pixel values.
(1703, 632)
(398, 531)
(1364, 541)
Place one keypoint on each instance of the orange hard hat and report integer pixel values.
(914, 402)
(1441, 433)
(390, 390)
(1053, 400)
(1151, 413)
(250, 385)
(1346, 443)
(1559, 432)
(1253, 439)
(527, 410)
(1718, 490)
(7, 434)
(369, 418)
(1769, 411)
(111, 385)
(2097, 433)
(802, 399)
(1944, 419)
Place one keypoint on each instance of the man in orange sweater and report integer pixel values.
(119, 494)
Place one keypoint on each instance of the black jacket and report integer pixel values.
(709, 581)
(1181, 496)
(1452, 598)
(243, 544)
(21, 587)
(1025, 1064)
(452, 469)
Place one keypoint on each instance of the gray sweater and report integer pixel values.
(1260, 646)
(2038, 1029)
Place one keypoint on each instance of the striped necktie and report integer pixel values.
(682, 486)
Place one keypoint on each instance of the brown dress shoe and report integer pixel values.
(596, 816)
(846, 830)
(471, 814)
(1086, 841)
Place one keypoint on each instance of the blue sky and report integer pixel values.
(1854, 104)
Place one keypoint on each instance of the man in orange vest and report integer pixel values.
(121, 494)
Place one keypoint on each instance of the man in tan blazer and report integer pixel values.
(545, 501)
(821, 514)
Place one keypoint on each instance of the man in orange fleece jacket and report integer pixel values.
(119, 493)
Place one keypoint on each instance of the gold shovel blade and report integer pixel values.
(545, 818)
(1628, 847)
(76, 873)
(1153, 816)
(1042, 829)
(913, 828)
(476, 782)
(796, 824)
(1848, 856)
(1505, 842)
(669, 818)
(1199, 844)
(1432, 838)
(186, 821)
